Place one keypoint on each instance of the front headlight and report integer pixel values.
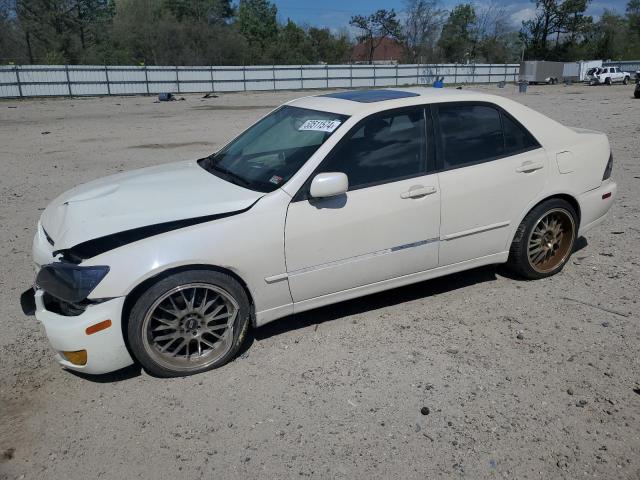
(69, 282)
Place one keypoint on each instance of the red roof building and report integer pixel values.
(389, 51)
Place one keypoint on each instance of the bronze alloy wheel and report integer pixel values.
(551, 240)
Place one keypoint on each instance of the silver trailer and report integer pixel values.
(541, 72)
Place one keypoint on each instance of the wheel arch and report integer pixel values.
(135, 293)
(562, 196)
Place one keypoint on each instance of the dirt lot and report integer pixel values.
(520, 378)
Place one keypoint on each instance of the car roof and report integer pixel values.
(364, 102)
(547, 131)
(371, 96)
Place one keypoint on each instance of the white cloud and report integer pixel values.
(523, 15)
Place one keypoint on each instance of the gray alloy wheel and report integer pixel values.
(188, 323)
(190, 326)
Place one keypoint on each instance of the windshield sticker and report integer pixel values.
(320, 125)
(275, 180)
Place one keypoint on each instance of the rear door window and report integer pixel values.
(469, 134)
(474, 133)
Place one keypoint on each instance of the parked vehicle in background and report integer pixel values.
(586, 66)
(607, 76)
(535, 72)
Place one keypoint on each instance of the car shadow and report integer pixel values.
(374, 301)
(384, 299)
(126, 373)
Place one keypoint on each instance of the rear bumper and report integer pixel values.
(106, 350)
(595, 205)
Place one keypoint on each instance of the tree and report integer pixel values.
(210, 12)
(61, 31)
(375, 28)
(292, 46)
(563, 19)
(459, 37)
(327, 47)
(258, 24)
(497, 42)
(421, 28)
(633, 16)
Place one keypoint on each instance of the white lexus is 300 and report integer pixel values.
(327, 198)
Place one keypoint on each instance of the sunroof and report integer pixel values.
(371, 96)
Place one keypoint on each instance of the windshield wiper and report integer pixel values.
(234, 177)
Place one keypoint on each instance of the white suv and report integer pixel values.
(607, 76)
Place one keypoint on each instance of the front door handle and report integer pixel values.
(528, 167)
(419, 191)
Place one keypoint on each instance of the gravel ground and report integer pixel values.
(520, 379)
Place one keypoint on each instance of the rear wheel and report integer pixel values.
(607, 81)
(625, 81)
(188, 323)
(544, 240)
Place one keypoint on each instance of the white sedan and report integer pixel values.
(327, 198)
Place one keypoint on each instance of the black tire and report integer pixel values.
(636, 92)
(625, 81)
(519, 260)
(146, 349)
(607, 81)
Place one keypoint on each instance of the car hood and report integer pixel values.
(140, 198)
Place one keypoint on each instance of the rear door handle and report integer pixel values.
(528, 167)
(417, 192)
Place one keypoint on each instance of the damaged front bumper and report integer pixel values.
(79, 345)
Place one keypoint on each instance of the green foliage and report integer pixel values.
(327, 47)
(459, 37)
(633, 16)
(210, 12)
(227, 32)
(562, 31)
(257, 23)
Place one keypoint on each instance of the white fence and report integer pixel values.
(630, 66)
(83, 80)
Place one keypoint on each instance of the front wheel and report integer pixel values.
(188, 323)
(544, 240)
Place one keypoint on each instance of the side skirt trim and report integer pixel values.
(364, 256)
(473, 231)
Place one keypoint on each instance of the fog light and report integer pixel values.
(78, 357)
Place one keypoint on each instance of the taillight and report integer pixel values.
(607, 171)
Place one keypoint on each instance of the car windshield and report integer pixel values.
(269, 153)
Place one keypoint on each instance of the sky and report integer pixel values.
(335, 14)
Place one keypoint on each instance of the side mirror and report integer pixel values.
(329, 185)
